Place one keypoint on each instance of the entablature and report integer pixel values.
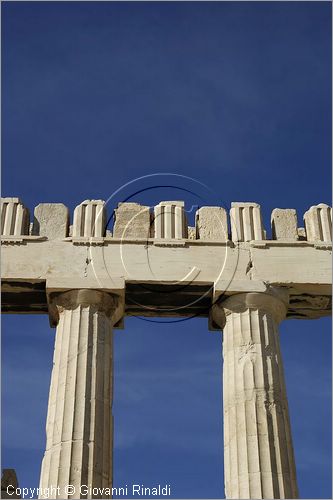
(170, 271)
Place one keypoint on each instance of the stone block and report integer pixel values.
(318, 223)
(170, 220)
(51, 220)
(132, 220)
(211, 224)
(246, 222)
(90, 219)
(14, 217)
(284, 224)
(301, 233)
(191, 231)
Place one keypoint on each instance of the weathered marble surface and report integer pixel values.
(258, 452)
(212, 224)
(79, 428)
(85, 277)
(132, 221)
(51, 220)
(284, 224)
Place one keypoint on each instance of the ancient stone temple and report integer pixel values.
(227, 268)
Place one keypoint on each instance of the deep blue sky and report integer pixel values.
(236, 95)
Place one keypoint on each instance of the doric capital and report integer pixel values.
(101, 301)
(274, 302)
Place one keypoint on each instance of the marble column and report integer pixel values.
(258, 451)
(79, 428)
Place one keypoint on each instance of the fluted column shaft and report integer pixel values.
(79, 428)
(258, 451)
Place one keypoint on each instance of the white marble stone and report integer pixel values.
(301, 234)
(90, 219)
(14, 217)
(192, 234)
(258, 451)
(170, 220)
(246, 222)
(132, 221)
(51, 220)
(40, 274)
(284, 224)
(304, 268)
(79, 425)
(212, 224)
(318, 223)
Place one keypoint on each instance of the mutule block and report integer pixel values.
(51, 220)
(14, 217)
(89, 219)
(170, 220)
(211, 224)
(131, 221)
(318, 223)
(246, 222)
(284, 224)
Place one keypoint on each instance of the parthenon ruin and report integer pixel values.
(226, 268)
